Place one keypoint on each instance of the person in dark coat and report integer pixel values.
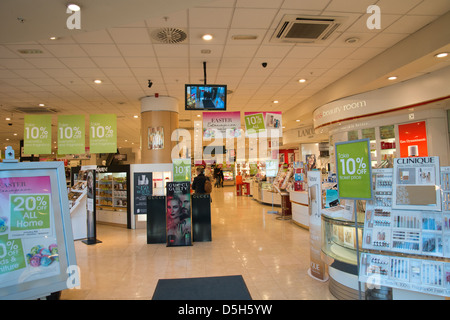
(198, 185)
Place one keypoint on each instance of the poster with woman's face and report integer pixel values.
(178, 214)
(311, 161)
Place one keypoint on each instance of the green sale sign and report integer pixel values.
(103, 133)
(181, 169)
(37, 134)
(354, 172)
(71, 139)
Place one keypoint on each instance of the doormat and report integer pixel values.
(205, 288)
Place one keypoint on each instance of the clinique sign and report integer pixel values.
(415, 160)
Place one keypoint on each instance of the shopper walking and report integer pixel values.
(221, 177)
(198, 185)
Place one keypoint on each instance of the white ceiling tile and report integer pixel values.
(118, 72)
(365, 53)
(410, 24)
(44, 81)
(136, 50)
(253, 18)
(176, 19)
(359, 6)
(15, 64)
(110, 62)
(141, 62)
(68, 50)
(210, 17)
(397, 6)
(258, 3)
(45, 63)
(171, 50)
(272, 51)
(7, 53)
(431, 7)
(99, 36)
(101, 50)
(305, 5)
(360, 26)
(385, 40)
(336, 53)
(305, 52)
(78, 62)
(31, 73)
(130, 35)
(237, 51)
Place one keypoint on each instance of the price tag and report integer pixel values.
(37, 134)
(103, 133)
(71, 139)
(353, 166)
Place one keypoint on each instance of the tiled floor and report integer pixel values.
(272, 255)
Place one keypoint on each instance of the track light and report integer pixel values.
(150, 83)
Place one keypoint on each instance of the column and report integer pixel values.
(159, 118)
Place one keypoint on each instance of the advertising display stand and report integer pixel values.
(271, 171)
(201, 217)
(88, 174)
(354, 179)
(156, 219)
(37, 253)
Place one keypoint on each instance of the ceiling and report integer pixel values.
(115, 45)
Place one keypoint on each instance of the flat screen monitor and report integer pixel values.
(205, 97)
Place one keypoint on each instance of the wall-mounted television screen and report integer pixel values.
(205, 97)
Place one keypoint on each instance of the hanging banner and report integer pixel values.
(413, 139)
(354, 171)
(227, 123)
(103, 133)
(316, 265)
(178, 214)
(256, 122)
(71, 134)
(37, 134)
(181, 169)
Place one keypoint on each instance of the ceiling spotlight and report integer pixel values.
(135, 116)
(150, 83)
(97, 81)
(53, 38)
(297, 120)
(442, 55)
(73, 7)
(302, 80)
(275, 101)
(392, 78)
(207, 37)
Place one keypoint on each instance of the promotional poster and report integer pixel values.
(178, 214)
(28, 245)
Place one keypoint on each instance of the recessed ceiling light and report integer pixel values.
(8, 118)
(53, 38)
(136, 116)
(442, 55)
(276, 101)
(297, 120)
(302, 80)
(98, 81)
(198, 115)
(73, 7)
(207, 37)
(41, 105)
(392, 78)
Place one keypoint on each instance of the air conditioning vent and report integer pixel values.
(306, 29)
(35, 110)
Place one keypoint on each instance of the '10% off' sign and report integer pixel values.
(354, 169)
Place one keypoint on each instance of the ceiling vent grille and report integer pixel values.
(35, 110)
(169, 35)
(306, 29)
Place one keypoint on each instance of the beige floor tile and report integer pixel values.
(272, 255)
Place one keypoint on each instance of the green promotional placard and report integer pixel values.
(103, 133)
(354, 172)
(254, 123)
(71, 139)
(11, 255)
(181, 169)
(29, 212)
(37, 134)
